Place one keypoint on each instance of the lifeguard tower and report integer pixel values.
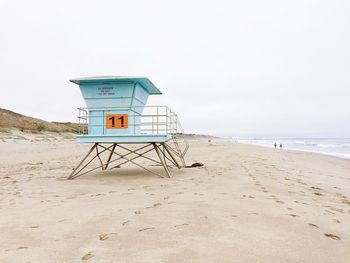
(122, 128)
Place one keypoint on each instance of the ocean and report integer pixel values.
(335, 147)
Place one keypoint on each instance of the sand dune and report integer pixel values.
(10, 119)
(246, 204)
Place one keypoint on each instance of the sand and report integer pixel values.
(246, 204)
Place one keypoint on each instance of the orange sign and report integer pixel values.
(116, 121)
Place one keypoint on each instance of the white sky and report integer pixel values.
(278, 68)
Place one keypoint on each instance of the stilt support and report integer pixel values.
(118, 155)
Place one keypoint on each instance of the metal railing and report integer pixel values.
(149, 120)
(141, 119)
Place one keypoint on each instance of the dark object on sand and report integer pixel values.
(209, 140)
(335, 237)
(194, 165)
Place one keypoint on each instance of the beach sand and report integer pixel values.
(246, 204)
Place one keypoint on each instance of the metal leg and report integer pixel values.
(177, 152)
(76, 174)
(110, 156)
(162, 159)
(71, 176)
(78, 171)
(171, 156)
(162, 151)
(98, 156)
(180, 153)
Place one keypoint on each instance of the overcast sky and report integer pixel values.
(278, 68)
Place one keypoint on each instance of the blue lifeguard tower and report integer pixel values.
(116, 119)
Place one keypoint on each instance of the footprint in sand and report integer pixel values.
(332, 236)
(315, 188)
(147, 228)
(329, 212)
(340, 195)
(279, 201)
(337, 209)
(22, 247)
(185, 224)
(125, 222)
(154, 205)
(249, 196)
(292, 215)
(137, 212)
(87, 256)
(106, 236)
(313, 225)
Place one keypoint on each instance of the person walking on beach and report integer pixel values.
(280, 145)
(275, 145)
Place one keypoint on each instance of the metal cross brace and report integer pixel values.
(139, 152)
